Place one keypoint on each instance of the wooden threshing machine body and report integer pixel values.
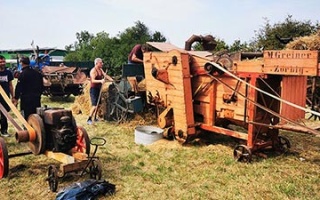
(195, 94)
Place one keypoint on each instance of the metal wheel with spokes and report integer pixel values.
(242, 153)
(284, 144)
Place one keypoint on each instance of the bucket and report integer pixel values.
(147, 134)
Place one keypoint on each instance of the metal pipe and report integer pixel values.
(22, 136)
(207, 42)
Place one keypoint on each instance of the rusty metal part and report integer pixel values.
(37, 146)
(207, 42)
(242, 153)
(282, 144)
(22, 136)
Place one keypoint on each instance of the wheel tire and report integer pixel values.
(4, 159)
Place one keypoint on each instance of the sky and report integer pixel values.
(55, 23)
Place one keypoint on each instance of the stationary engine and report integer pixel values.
(60, 128)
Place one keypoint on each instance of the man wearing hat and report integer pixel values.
(29, 88)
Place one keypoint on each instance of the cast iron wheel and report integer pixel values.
(83, 141)
(121, 116)
(4, 159)
(95, 169)
(53, 178)
(242, 153)
(284, 144)
(38, 146)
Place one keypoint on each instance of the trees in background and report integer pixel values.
(114, 50)
(268, 36)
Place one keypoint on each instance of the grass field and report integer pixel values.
(168, 170)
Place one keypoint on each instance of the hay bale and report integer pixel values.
(311, 42)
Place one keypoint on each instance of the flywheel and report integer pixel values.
(38, 145)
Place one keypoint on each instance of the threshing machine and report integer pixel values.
(260, 92)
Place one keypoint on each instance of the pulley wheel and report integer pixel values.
(38, 146)
(242, 153)
(226, 62)
(4, 159)
(209, 68)
(53, 178)
(83, 141)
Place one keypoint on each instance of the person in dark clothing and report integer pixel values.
(136, 57)
(6, 78)
(136, 54)
(29, 88)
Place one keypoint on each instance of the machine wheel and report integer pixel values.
(242, 153)
(121, 116)
(53, 178)
(95, 169)
(284, 144)
(226, 62)
(38, 146)
(83, 141)
(4, 159)
(180, 136)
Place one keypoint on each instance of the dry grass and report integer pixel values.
(168, 170)
(311, 42)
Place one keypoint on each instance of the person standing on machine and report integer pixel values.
(6, 78)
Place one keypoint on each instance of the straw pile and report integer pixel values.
(82, 103)
(311, 42)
